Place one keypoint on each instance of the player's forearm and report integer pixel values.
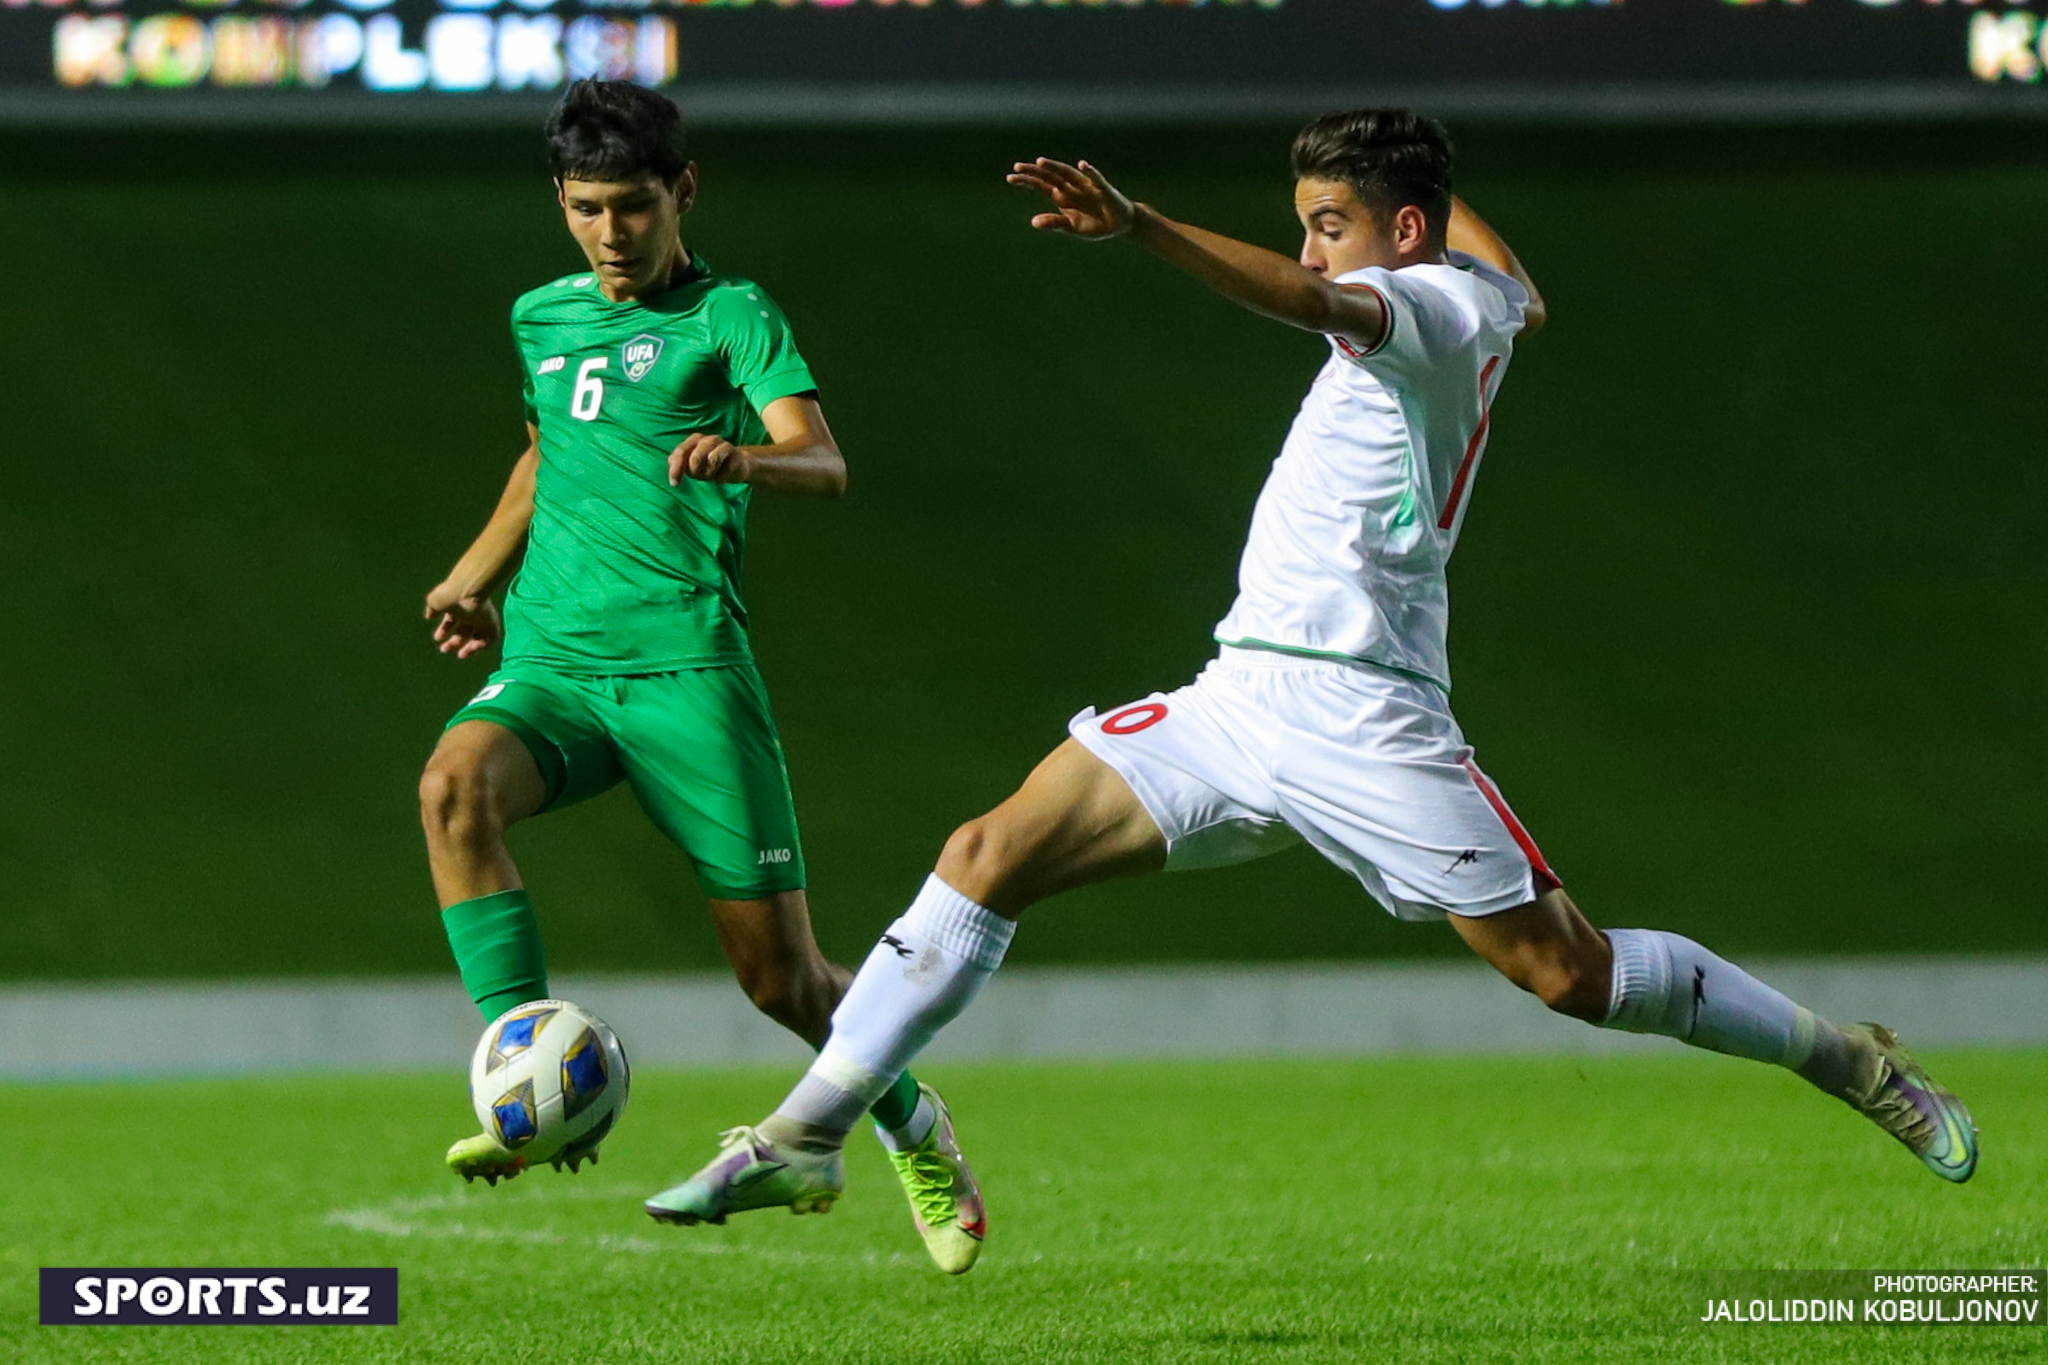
(1469, 233)
(489, 560)
(805, 469)
(1264, 281)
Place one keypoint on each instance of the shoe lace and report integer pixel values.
(1898, 1115)
(929, 1177)
(744, 1133)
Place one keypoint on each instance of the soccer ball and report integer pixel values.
(546, 1074)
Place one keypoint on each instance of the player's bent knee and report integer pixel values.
(439, 790)
(456, 805)
(983, 861)
(967, 847)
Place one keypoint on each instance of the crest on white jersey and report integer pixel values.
(638, 356)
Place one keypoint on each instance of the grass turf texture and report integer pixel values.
(1453, 1210)
(1748, 615)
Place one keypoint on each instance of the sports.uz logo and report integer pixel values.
(638, 356)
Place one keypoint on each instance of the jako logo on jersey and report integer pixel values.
(551, 364)
(773, 855)
(1132, 719)
(638, 356)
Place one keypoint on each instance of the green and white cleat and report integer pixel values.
(1908, 1103)
(945, 1202)
(483, 1156)
(750, 1172)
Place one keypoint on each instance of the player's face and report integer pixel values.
(629, 229)
(1339, 234)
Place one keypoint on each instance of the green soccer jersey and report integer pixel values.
(624, 574)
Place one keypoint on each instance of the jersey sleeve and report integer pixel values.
(525, 374)
(1427, 321)
(1423, 322)
(761, 358)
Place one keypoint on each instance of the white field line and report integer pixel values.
(451, 1217)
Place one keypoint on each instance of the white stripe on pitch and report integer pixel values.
(159, 1028)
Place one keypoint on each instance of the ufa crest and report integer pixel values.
(637, 356)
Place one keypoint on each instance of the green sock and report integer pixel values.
(497, 949)
(895, 1107)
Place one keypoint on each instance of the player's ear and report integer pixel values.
(686, 188)
(1411, 229)
(561, 195)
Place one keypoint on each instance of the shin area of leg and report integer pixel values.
(1073, 821)
(1666, 983)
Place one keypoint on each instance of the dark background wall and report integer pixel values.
(1748, 612)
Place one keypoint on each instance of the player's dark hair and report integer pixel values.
(1390, 157)
(615, 130)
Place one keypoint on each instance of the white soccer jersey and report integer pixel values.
(1358, 518)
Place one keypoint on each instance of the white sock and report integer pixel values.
(912, 1134)
(1664, 983)
(926, 969)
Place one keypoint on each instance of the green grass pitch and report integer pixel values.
(1413, 1210)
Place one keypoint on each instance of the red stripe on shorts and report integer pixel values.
(1521, 836)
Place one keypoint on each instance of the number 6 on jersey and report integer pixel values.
(588, 395)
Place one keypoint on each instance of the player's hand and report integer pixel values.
(710, 458)
(467, 624)
(1086, 204)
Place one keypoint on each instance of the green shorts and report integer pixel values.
(698, 748)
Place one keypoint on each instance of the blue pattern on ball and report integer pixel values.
(584, 1074)
(516, 1035)
(513, 1116)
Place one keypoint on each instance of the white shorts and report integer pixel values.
(1265, 750)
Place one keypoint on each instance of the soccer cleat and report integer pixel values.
(1907, 1103)
(750, 1172)
(484, 1156)
(581, 1150)
(945, 1203)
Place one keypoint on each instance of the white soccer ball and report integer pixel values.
(546, 1074)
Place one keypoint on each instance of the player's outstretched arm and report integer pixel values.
(1468, 232)
(802, 458)
(1087, 206)
(463, 600)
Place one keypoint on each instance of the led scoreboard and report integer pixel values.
(763, 59)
